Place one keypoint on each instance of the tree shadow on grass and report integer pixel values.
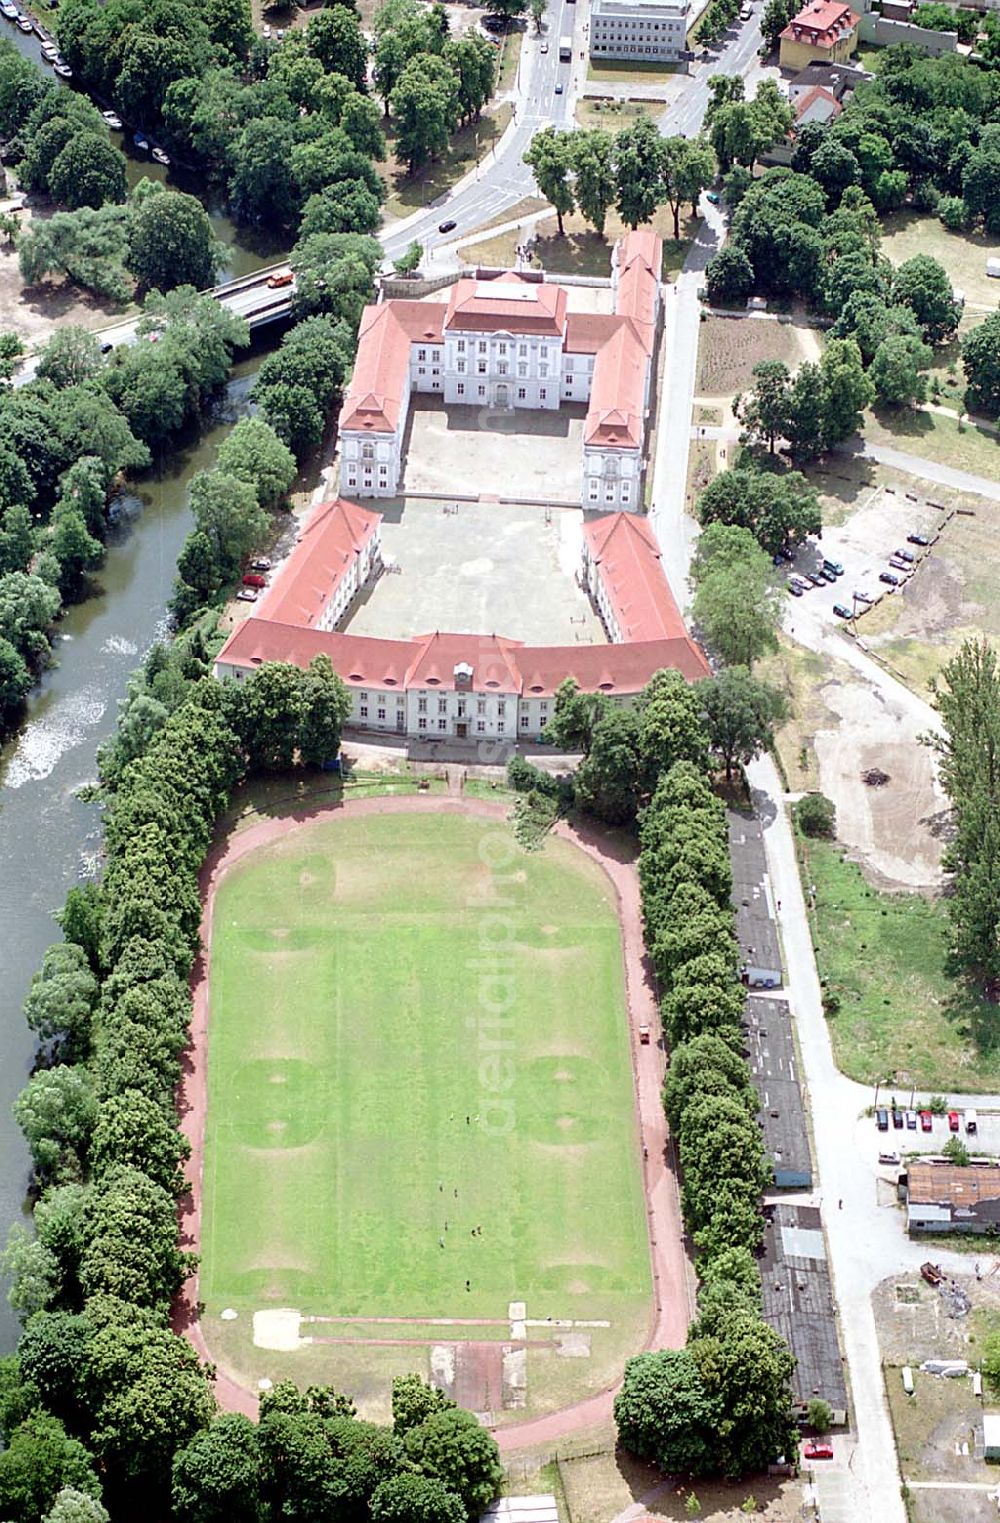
(975, 1019)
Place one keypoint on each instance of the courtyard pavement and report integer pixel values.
(528, 455)
(487, 568)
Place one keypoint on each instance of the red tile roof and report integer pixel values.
(586, 332)
(821, 23)
(381, 378)
(530, 671)
(817, 93)
(506, 305)
(617, 394)
(334, 534)
(625, 549)
(642, 245)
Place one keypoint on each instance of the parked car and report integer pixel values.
(254, 579)
(907, 556)
(784, 554)
(918, 539)
(260, 564)
(953, 1121)
(815, 578)
(971, 1121)
(833, 566)
(889, 1160)
(794, 588)
(447, 226)
(713, 197)
(559, 88)
(842, 611)
(889, 577)
(644, 1036)
(283, 279)
(897, 1119)
(898, 565)
(882, 1119)
(817, 1449)
(911, 1120)
(931, 1273)
(926, 1121)
(544, 47)
(861, 597)
(247, 595)
(801, 581)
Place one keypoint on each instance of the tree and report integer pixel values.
(506, 8)
(75, 549)
(778, 510)
(27, 608)
(815, 815)
(747, 1367)
(218, 1477)
(741, 713)
(230, 25)
(764, 412)
(451, 1447)
(777, 15)
(847, 390)
(607, 781)
(15, 681)
(225, 509)
(56, 1111)
(270, 715)
(409, 262)
(39, 1461)
(326, 707)
(334, 274)
(595, 183)
(665, 1413)
(171, 243)
(640, 163)
(473, 61)
(61, 1000)
(537, 9)
(260, 187)
(416, 1499)
(981, 185)
(88, 172)
(729, 277)
(550, 158)
(73, 1506)
(133, 1130)
(425, 104)
(336, 39)
(924, 285)
(735, 602)
(71, 356)
(413, 1401)
(981, 363)
(687, 168)
(33, 1273)
(895, 371)
(252, 452)
(11, 351)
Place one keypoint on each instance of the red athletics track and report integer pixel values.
(672, 1278)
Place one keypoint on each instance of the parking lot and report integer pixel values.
(872, 547)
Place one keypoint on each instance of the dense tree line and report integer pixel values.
(967, 696)
(104, 1407)
(67, 439)
(721, 1404)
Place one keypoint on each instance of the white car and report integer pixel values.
(544, 47)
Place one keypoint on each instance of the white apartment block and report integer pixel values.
(648, 30)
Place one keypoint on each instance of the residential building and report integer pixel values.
(817, 105)
(507, 343)
(839, 79)
(824, 31)
(338, 550)
(947, 1197)
(466, 686)
(651, 30)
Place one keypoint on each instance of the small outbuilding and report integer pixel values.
(991, 1437)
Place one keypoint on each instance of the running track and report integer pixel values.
(673, 1292)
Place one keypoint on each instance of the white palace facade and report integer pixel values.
(507, 343)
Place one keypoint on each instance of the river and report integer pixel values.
(247, 249)
(50, 840)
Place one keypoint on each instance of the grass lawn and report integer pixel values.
(408, 193)
(617, 72)
(935, 437)
(613, 115)
(349, 1043)
(963, 255)
(900, 1018)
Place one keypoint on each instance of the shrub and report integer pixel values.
(815, 815)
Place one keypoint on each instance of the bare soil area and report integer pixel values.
(729, 348)
(32, 312)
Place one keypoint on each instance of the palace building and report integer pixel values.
(463, 686)
(508, 343)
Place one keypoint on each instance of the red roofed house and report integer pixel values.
(465, 686)
(824, 31)
(510, 343)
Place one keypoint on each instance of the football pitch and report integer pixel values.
(420, 1092)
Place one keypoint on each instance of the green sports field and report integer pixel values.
(418, 1037)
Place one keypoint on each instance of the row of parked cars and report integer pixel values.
(801, 581)
(926, 1119)
(254, 580)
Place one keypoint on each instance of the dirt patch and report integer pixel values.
(896, 830)
(729, 348)
(33, 312)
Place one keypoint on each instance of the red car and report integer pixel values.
(817, 1449)
(953, 1121)
(254, 579)
(926, 1121)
